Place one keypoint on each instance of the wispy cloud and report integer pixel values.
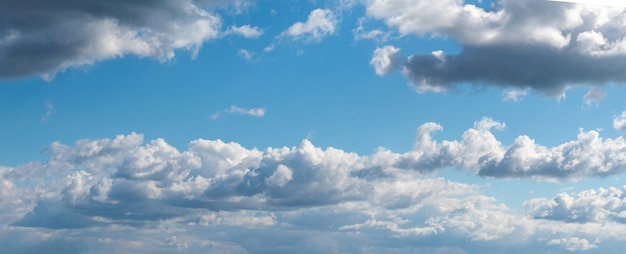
(50, 110)
(247, 31)
(256, 112)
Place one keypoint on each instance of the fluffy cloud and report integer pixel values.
(601, 206)
(530, 44)
(124, 193)
(386, 59)
(619, 122)
(319, 24)
(42, 37)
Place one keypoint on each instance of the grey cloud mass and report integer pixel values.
(40, 37)
(537, 44)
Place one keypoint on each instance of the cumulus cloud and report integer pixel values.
(42, 37)
(619, 122)
(127, 194)
(386, 59)
(256, 112)
(530, 44)
(595, 205)
(319, 24)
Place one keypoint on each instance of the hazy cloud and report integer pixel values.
(246, 31)
(256, 112)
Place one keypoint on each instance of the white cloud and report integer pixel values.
(49, 111)
(281, 176)
(246, 31)
(319, 24)
(245, 54)
(573, 244)
(619, 122)
(594, 95)
(596, 205)
(139, 195)
(386, 59)
(256, 112)
(514, 95)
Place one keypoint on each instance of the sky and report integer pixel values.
(320, 126)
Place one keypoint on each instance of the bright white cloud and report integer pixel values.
(122, 193)
(319, 24)
(619, 122)
(386, 59)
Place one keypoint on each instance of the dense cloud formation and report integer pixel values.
(538, 44)
(43, 37)
(122, 194)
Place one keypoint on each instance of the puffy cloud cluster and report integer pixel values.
(529, 44)
(153, 196)
(43, 37)
(599, 205)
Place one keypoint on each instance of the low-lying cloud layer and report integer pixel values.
(122, 194)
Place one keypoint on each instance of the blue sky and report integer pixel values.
(346, 126)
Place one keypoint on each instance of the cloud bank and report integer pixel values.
(125, 194)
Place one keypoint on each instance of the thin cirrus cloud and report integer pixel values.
(256, 112)
(43, 37)
(529, 44)
(216, 195)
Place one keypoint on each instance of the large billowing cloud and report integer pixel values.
(124, 194)
(538, 44)
(42, 37)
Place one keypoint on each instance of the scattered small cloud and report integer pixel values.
(247, 31)
(595, 95)
(256, 112)
(319, 24)
(619, 122)
(245, 54)
(50, 110)
(386, 59)
(514, 95)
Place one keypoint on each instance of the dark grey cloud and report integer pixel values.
(524, 44)
(547, 70)
(40, 37)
